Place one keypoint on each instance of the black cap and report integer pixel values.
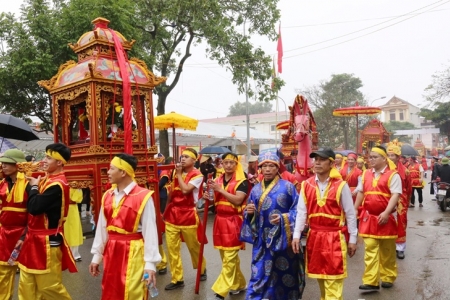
(324, 152)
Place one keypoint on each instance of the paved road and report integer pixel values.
(423, 274)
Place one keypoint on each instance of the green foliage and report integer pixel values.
(240, 108)
(165, 32)
(392, 126)
(341, 91)
(440, 116)
(439, 89)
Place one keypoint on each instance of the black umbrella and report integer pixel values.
(409, 150)
(15, 128)
(214, 150)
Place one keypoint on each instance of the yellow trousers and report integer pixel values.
(380, 261)
(331, 289)
(48, 285)
(7, 276)
(173, 241)
(163, 263)
(231, 277)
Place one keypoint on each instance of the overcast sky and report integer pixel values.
(394, 47)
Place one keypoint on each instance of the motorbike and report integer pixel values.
(441, 198)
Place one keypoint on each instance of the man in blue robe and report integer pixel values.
(269, 219)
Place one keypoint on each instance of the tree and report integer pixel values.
(392, 126)
(440, 116)
(341, 91)
(438, 96)
(240, 108)
(165, 32)
(36, 45)
(439, 89)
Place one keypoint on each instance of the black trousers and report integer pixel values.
(419, 192)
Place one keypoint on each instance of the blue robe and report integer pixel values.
(277, 273)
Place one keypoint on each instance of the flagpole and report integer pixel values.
(279, 71)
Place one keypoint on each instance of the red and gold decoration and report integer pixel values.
(101, 106)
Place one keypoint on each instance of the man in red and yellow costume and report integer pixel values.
(394, 152)
(14, 191)
(379, 192)
(230, 192)
(181, 217)
(351, 174)
(126, 236)
(416, 171)
(45, 252)
(325, 203)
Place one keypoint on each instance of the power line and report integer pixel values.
(358, 36)
(350, 21)
(372, 26)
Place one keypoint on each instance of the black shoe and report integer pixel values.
(172, 286)
(386, 285)
(162, 271)
(400, 254)
(218, 297)
(203, 277)
(78, 259)
(368, 287)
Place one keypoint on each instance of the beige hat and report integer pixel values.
(253, 158)
(204, 158)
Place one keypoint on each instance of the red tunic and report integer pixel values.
(376, 199)
(424, 164)
(36, 244)
(326, 248)
(13, 220)
(228, 220)
(414, 170)
(402, 207)
(122, 224)
(180, 212)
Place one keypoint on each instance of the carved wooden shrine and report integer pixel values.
(373, 134)
(88, 114)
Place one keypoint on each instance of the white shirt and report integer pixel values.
(147, 225)
(396, 182)
(195, 182)
(346, 203)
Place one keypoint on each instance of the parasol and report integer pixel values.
(409, 150)
(15, 128)
(174, 120)
(214, 150)
(356, 111)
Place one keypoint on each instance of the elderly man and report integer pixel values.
(126, 236)
(323, 200)
(14, 191)
(379, 192)
(277, 272)
(394, 153)
(45, 252)
(181, 217)
(230, 192)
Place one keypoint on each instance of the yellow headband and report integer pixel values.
(379, 151)
(391, 164)
(360, 159)
(123, 165)
(394, 149)
(55, 155)
(240, 175)
(190, 154)
(339, 155)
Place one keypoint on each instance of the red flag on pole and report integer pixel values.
(280, 51)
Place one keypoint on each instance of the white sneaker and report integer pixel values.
(235, 292)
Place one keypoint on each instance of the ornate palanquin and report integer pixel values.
(373, 134)
(88, 114)
(420, 147)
